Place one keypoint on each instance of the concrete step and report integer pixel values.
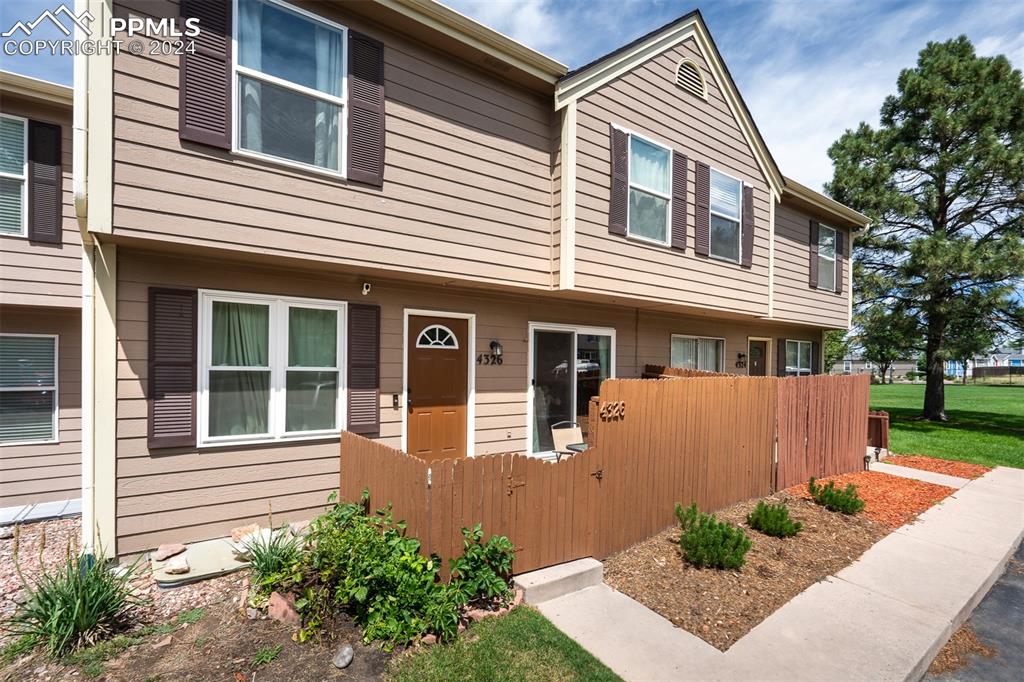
(557, 581)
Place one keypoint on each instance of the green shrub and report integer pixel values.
(846, 501)
(481, 576)
(275, 558)
(76, 604)
(708, 542)
(773, 519)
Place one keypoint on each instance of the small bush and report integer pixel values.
(481, 576)
(267, 654)
(773, 519)
(76, 604)
(274, 557)
(846, 501)
(708, 542)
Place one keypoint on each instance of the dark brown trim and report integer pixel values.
(618, 200)
(680, 169)
(702, 210)
(363, 369)
(366, 103)
(747, 228)
(181, 421)
(45, 210)
(204, 80)
(812, 243)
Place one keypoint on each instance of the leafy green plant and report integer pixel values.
(274, 557)
(846, 501)
(267, 654)
(708, 542)
(773, 519)
(482, 575)
(76, 604)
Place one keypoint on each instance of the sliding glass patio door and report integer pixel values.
(567, 366)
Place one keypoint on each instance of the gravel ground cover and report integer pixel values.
(939, 466)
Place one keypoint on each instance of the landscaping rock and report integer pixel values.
(518, 598)
(240, 532)
(165, 552)
(343, 656)
(282, 609)
(428, 640)
(253, 614)
(165, 642)
(299, 528)
(176, 566)
(6, 532)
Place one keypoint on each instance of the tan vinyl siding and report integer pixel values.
(48, 471)
(467, 185)
(196, 493)
(35, 274)
(795, 300)
(647, 101)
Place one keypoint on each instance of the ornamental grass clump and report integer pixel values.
(773, 519)
(846, 501)
(76, 604)
(708, 542)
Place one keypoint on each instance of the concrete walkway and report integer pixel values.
(27, 513)
(882, 618)
(920, 475)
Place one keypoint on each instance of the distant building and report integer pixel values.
(853, 364)
(1003, 356)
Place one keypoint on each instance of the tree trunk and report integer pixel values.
(935, 375)
(965, 371)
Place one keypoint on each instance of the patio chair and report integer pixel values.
(564, 434)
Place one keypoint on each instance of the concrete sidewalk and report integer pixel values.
(920, 475)
(882, 618)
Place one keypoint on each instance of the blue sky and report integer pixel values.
(807, 69)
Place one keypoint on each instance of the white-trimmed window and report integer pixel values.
(28, 388)
(650, 190)
(270, 367)
(13, 175)
(826, 258)
(697, 352)
(726, 214)
(798, 358)
(290, 85)
(437, 336)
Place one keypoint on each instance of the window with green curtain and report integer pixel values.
(311, 387)
(12, 175)
(28, 388)
(239, 399)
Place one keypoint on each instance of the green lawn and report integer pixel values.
(520, 646)
(986, 423)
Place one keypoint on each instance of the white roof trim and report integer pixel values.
(35, 88)
(586, 81)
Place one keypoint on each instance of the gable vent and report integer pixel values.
(689, 78)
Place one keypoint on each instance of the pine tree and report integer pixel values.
(942, 178)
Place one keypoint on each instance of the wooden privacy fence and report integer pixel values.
(709, 440)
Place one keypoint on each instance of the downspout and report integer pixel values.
(80, 186)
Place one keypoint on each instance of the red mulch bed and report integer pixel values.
(939, 466)
(890, 500)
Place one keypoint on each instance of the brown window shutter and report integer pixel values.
(813, 262)
(171, 389)
(702, 210)
(618, 202)
(45, 179)
(679, 171)
(747, 228)
(364, 369)
(840, 258)
(204, 87)
(780, 357)
(365, 110)
(815, 357)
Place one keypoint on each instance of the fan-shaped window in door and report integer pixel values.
(437, 336)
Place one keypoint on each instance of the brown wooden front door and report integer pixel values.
(757, 358)
(437, 400)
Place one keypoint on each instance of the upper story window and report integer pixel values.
(726, 198)
(28, 388)
(290, 92)
(692, 352)
(650, 190)
(13, 175)
(826, 258)
(798, 358)
(270, 367)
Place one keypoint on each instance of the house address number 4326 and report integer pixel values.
(614, 409)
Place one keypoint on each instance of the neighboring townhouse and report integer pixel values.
(387, 218)
(1003, 356)
(854, 364)
(40, 298)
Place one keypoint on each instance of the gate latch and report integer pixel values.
(599, 474)
(513, 484)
